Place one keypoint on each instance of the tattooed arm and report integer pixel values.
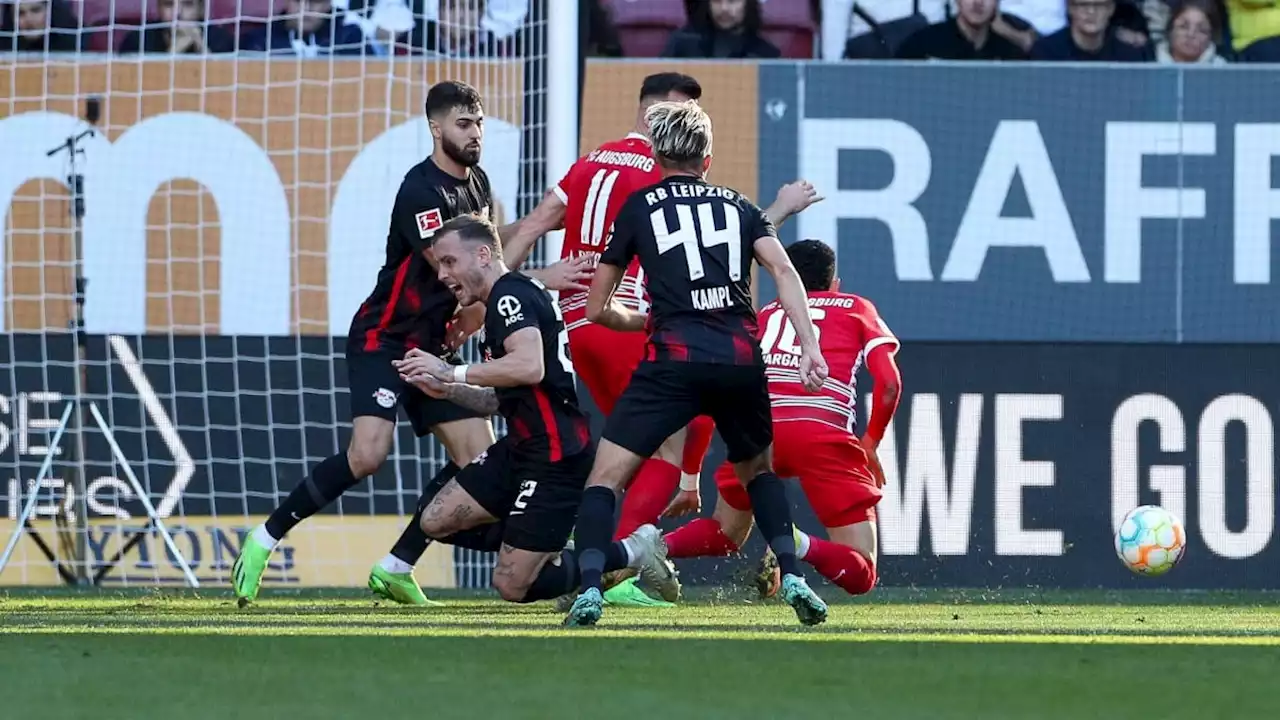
(480, 399)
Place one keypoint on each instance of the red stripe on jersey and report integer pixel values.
(371, 337)
(549, 419)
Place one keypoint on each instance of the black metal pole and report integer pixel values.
(79, 483)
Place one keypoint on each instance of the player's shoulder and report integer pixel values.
(632, 143)
(421, 182)
(518, 285)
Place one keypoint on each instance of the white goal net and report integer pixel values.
(235, 211)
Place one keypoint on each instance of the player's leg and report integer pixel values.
(464, 437)
(847, 558)
(533, 564)
(843, 494)
(696, 445)
(659, 401)
(724, 532)
(605, 361)
(745, 422)
(375, 388)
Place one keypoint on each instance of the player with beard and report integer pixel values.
(528, 486)
(409, 308)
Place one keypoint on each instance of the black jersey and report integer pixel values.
(696, 244)
(545, 418)
(409, 306)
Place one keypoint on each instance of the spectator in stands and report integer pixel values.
(1089, 36)
(458, 31)
(597, 36)
(722, 29)
(182, 31)
(309, 28)
(37, 26)
(1255, 29)
(1192, 35)
(967, 36)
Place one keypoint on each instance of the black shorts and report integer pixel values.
(664, 396)
(376, 390)
(537, 499)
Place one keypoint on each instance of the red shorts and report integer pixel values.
(604, 360)
(831, 466)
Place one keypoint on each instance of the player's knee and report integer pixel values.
(511, 589)
(751, 468)
(366, 455)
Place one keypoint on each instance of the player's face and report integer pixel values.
(460, 134)
(977, 12)
(461, 266)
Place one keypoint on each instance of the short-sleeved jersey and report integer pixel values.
(593, 192)
(409, 306)
(848, 329)
(545, 418)
(695, 242)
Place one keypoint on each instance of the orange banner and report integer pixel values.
(222, 196)
(730, 93)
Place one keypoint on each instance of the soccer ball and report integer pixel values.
(1150, 540)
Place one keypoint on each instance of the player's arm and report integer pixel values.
(428, 373)
(519, 237)
(792, 199)
(604, 309)
(883, 368)
(791, 295)
(521, 365)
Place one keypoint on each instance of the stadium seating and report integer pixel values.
(108, 22)
(790, 26)
(644, 25)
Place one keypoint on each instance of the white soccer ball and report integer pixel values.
(1150, 540)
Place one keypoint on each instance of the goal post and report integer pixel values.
(236, 213)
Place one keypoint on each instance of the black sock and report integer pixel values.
(413, 542)
(326, 483)
(615, 556)
(557, 577)
(594, 532)
(773, 517)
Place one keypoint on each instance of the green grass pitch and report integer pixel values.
(896, 654)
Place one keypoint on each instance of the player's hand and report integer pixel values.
(685, 502)
(418, 365)
(465, 323)
(429, 386)
(873, 461)
(572, 274)
(813, 370)
(797, 196)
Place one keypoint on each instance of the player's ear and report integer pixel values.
(835, 284)
(706, 165)
(435, 127)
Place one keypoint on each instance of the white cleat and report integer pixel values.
(649, 551)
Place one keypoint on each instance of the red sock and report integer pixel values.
(648, 495)
(842, 565)
(702, 537)
(696, 444)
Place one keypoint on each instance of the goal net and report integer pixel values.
(235, 211)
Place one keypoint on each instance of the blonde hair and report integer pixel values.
(681, 133)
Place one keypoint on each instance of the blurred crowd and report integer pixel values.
(1166, 31)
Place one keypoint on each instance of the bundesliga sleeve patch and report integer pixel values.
(429, 221)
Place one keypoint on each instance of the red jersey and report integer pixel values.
(593, 192)
(848, 329)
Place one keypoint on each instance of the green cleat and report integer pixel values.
(246, 574)
(586, 610)
(628, 594)
(400, 588)
(810, 609)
